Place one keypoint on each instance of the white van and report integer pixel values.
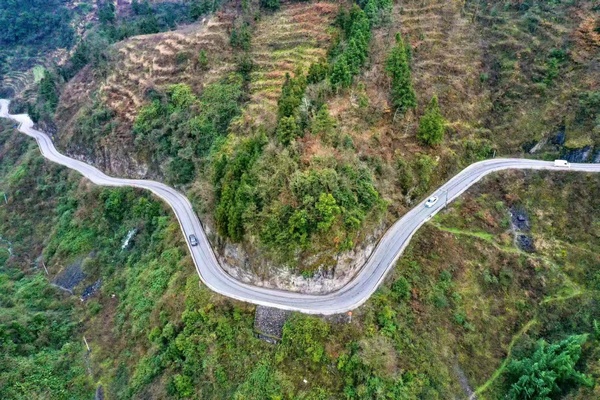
(561, 163)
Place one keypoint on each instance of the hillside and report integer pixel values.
(464, 300)
(300, 131)
(542, 103)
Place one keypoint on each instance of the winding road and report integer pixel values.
(349, 297)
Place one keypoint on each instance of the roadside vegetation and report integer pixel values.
(154, 331)
(298, 129)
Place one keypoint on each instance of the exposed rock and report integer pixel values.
(268, 323)
(580, 155)
(464, 382)
(127, 242)
(521, 225)
(560, 137)
(70, 277)
(99, 393)
(256, 270)
(525, 243)
(91, 289)
(538, 146)
(520, 219)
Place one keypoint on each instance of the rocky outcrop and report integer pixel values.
(257, 270)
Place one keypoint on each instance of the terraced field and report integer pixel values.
(447, 60)
(294, 37)
(147, 62)
(537, 62)
(21, 81)
(158, 60)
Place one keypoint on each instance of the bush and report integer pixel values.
(303, 339)
(317, 72)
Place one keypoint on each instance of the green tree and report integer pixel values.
(328, 210)
(240, 36)
(135, 7)
(149, 24)
(181, 171)
(292, 93)
(48, 92)
(323, 121)
(272, 5)
(432, 124)
(340, 73)
(397, 65)
(317, 72)
(202, 60)
(106, 12)
(372, 12)
(549, 372)
(287, 130)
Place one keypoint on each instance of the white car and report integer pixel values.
(431, 201)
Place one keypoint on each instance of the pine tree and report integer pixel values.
(287, 130)
(340, 74)
(106, 12)
(403, 94)
(48, 91)
(292, 93)
(432, 124)
(135, 6)
(272, 5)
(372, 12)
(202, 60)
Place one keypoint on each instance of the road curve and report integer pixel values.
(349, 297)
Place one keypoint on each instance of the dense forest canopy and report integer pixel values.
(44, 22)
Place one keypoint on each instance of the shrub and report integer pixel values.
(303, 339)
(401, 289)
(317, 72)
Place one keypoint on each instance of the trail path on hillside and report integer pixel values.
(349, 297)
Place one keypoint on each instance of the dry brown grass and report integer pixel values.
(446, 63)
(149, 61)
(145, 62)
(296, 36)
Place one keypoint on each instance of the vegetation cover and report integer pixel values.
(154, 332)
(295, 154)
(43, 23)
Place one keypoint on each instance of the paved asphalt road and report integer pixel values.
(345, 299)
